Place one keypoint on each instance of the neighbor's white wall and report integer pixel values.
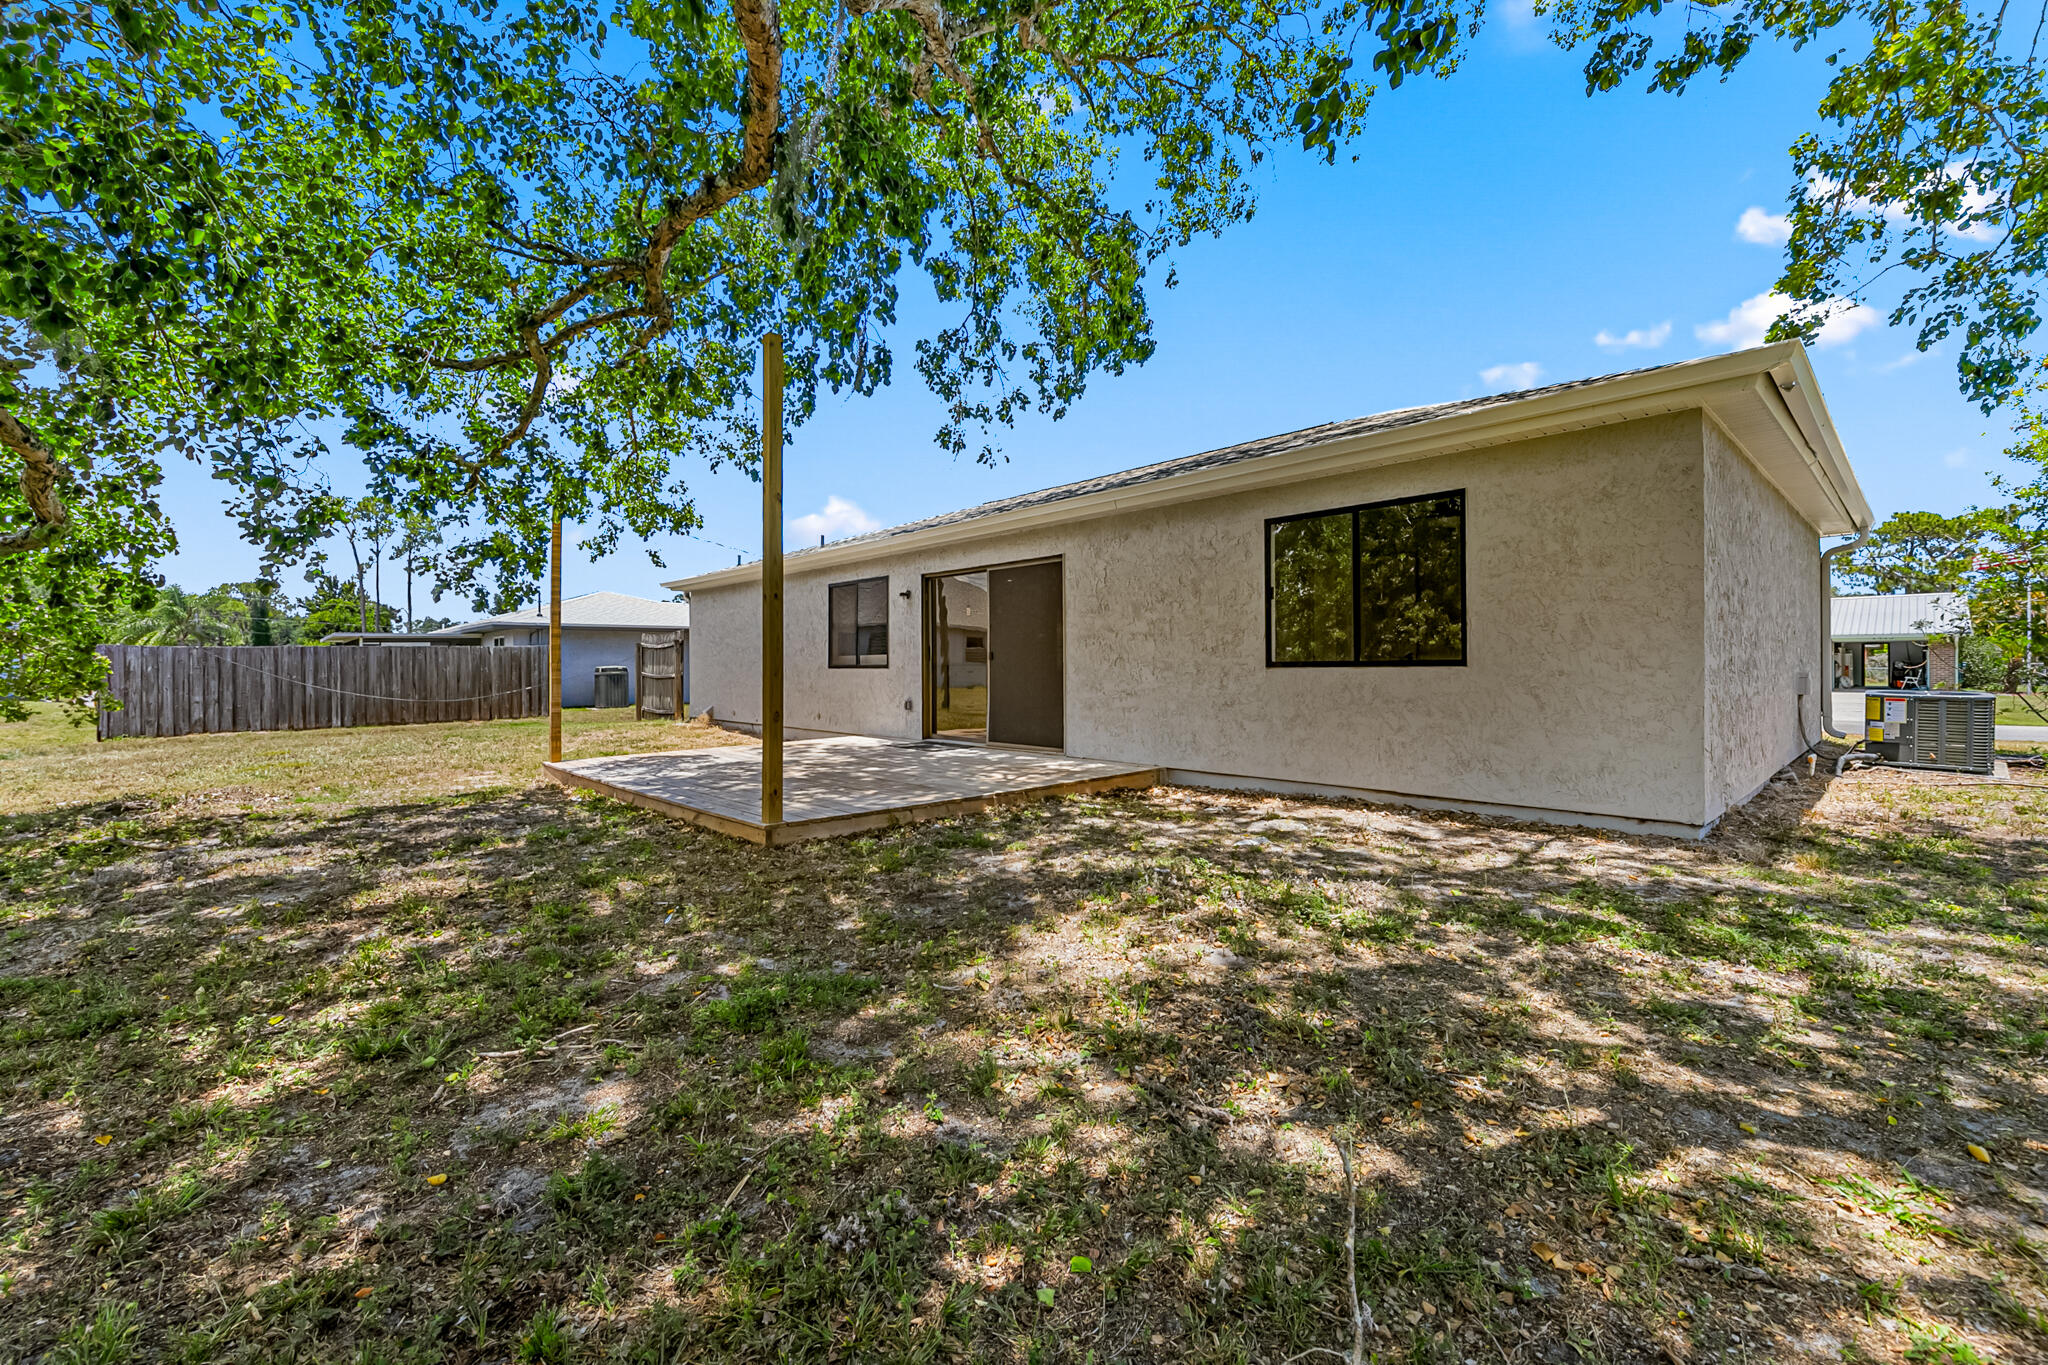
(1763, 626)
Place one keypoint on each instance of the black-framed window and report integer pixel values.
(859, 612)
(1382, 584)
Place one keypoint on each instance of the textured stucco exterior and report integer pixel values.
(1764, 617)
(585, 650)
(1606, 586)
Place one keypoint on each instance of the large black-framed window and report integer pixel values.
(1381, 584)
(859, 624)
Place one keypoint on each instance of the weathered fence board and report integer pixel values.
(191, 689)
(660, 663)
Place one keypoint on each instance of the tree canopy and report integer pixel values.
(523, 252)
(1918, 552)
(605, 206)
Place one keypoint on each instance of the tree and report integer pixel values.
(336, 604)
(604, 205)
(152, 299)
(419, 538)
(178, 617)
(1918, 552)
(54, 602)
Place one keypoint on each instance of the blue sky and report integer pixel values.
(1496, 229)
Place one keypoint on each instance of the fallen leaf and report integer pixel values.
(365, 1292)
(1045, 1297)
(1544, 1252)
(276, 1019)
(1587, 1268)
(1974, 1150)
(1748, 1128)
(437, 1179)
(1080, 1265)
(1614, 1272)
(104, 1138)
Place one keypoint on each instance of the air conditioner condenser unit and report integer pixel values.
(1949, 731)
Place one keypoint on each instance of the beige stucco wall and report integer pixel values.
(1583, 693)
(1763, 633)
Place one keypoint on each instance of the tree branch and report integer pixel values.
(760, 28)
(39, 473)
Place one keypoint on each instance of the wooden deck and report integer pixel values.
(844, 785)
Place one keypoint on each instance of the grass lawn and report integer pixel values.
(353, 1046)
(46, 762)
(2032, 709)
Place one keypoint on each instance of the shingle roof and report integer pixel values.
(1229, 455)
(1900, 616)
(592, 610)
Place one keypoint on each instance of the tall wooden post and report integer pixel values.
(555, 648)
(771, 579)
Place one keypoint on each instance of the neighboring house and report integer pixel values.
(387, 637)
(1598, 602)
(1908, 639)
(599, 630)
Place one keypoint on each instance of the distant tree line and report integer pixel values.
(259, 613)
(1995, 557)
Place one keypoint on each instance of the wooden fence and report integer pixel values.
(194, 689)
(659, 663)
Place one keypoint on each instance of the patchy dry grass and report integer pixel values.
(514, 1075)
(47, 762)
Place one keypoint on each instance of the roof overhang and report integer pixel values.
(1765, 399)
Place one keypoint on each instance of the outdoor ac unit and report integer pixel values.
(613, 687)
(1952, 731)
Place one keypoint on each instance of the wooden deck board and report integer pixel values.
(840, 786)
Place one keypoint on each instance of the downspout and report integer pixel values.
(1827, 630)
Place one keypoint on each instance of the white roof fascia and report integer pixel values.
(1690, 385)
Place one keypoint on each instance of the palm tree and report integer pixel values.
(182, 618)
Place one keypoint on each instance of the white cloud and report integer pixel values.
(1956, 459)
(1764, 229)
(1748, 322)
(1845, 326)
(838, 517)
(1976, 200)
(1635, 339)
(1909, 358)
(1522, 374)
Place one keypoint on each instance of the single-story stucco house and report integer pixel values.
(1907, 639)
(1600, 602)
(599, 630)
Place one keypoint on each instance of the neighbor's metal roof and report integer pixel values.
(1899, 616)
(592, 610)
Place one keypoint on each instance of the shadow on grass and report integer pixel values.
(550, 1079)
